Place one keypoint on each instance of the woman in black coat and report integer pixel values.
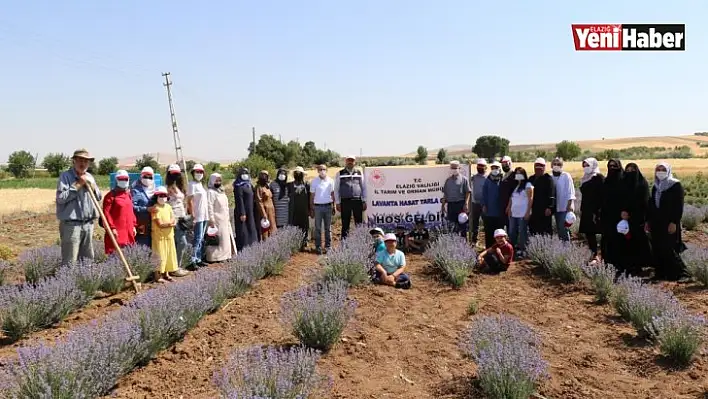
(613, 190)
(634, 251)
(244, 217)
(591, 203)
(664, 224)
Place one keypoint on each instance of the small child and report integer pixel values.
(418, 238)
(401, 238)
(377, 234)
(497, 258)
(390, 265)
(163, 236)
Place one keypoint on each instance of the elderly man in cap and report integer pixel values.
(477, 183)
(75, 209)
(544, 199)
(350, 194)
(456, 196)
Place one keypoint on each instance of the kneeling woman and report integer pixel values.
(391, 265)
(497, 258)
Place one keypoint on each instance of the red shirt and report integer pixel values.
(507, 250)
(118, 208)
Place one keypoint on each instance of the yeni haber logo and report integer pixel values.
(629, 37)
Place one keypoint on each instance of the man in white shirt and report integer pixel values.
(565, 196)
(322, 207)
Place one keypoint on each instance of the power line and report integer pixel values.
(175, 130)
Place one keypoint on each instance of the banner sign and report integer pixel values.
(403, 195)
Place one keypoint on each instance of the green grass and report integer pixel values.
(44, 182)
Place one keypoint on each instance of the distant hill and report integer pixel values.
(691, 141)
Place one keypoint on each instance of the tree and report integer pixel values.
(20, 164)
(254, 164)
(106, 166)
(212, 167)
(56, 163)
(490, 146)
(421, 155)
(190, 165)
(568, 150)
(147, 160)
(441, 157)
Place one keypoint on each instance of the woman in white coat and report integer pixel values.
(218, 205)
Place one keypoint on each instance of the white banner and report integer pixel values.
(403, 195)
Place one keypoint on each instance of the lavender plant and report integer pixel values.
(39, 263)
(275, 373)
(602, 280)
(317, 314)
(692, 217)
(85, 273)
(291, 237)
(624, 286)
(274, 254)
(704, 208)
(696, 260)
(562, 260)
(4, 267)
(679, 334)
(645, 303)
(249, 264)
(509, 363)
(141, 260)
(539, 249)
(352, 261)
(99, 251)
(452, 256)
(112, 276)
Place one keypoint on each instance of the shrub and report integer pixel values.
(4, 266)
(692, 217)
(56, 163)
(317, 314)
(86, 274)
(679, 334)
(20, 164)
(696, 260)
(509, 363)
(625, 284)
(451, 255)
(352, 261)
(602, 280)
(112, 276)
(704, 208)
(5, 252)
(644, 303)
(562, 260)
(99, 251)
(472, 307)
(141, 261)
(39, 263)
(271, 372)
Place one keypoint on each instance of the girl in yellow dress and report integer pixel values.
(163, 236)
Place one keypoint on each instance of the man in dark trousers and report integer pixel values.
(350, 194)
(456, 196)
(544, 199)
(506, 188)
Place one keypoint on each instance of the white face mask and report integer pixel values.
(587, 170)
(198, 176)
(662, 175)
(161, 200)
(281, 177)
(557, 168)
(495, 172)
(322, 174)
(245, 177)
(122, 183)
(455, 172)
(146, 182)
(519, 177)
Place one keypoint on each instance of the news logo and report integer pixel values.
(629, 37)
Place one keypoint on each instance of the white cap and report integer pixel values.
(539, 161)
(454, 163)
(352, 157)
(376, 230)
(506, 159)
(147, 171)
(390, 237)
(496, 164)
(299, 169)
(174, 168)
(122, 173)
(198, 168)
(161, 190)
(499, 233)
(482, 161)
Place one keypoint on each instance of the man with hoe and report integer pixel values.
(75, 210)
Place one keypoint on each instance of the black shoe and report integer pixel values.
(404, 284)
(318, 251)
(203, 264)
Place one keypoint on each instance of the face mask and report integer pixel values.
(217, 185)
(161, 200)
(519, 177)
(281, 177)
(495, 172)
(455, 172)
(662, 175)
(587, 170)
(379, 239)
(557, 168)
(198, 176)
(506, 168)
(480, 171)
(122, 183)
(146, 182)
(245, 177)
(322, 174)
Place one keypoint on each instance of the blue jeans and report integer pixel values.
(563, 232)
(180, 244)
(323, 215)
(518, 233)
(199, 231)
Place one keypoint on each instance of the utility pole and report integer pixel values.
(253, 131)
(175, 132)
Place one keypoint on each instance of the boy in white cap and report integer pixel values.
(499, 256)
(391, 265)
(350, 194)
(477, 183)
(456, 197)
(544, 199)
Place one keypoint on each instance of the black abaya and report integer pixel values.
(612, 205)
(246, 233)
(667, 247)
(634, 251)
(299, 212)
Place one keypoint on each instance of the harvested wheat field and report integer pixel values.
(25, 200)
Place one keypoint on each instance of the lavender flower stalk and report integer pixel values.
(39, 263)
(696, 260)
(453, 257)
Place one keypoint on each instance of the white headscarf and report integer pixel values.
(592, 162)
(212, 179)
(663, 185)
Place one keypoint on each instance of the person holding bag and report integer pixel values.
(223, 246)
(175, 197)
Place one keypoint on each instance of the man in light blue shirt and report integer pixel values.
(391, 265)
(75, 209)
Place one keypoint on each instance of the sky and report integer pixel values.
(376, 77)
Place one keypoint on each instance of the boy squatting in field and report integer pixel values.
(391, 265)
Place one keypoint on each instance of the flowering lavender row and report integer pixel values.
(562, 260)
(352, 261)
(696, 260)
(602, 280)
(88, 361)
(453, 257)
(4, 267)
(39, 263)
(506, 350)
(260, 373)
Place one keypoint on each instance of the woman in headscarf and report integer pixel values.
(197, 204)
(634, 251)
(664, 224)
(612, 206)
(142, 192)
(299, 212)
(244, 217)
(264, 199)
(218, 211)
(591, 203)
(281, 201)
(118, 208)
(176, 190)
